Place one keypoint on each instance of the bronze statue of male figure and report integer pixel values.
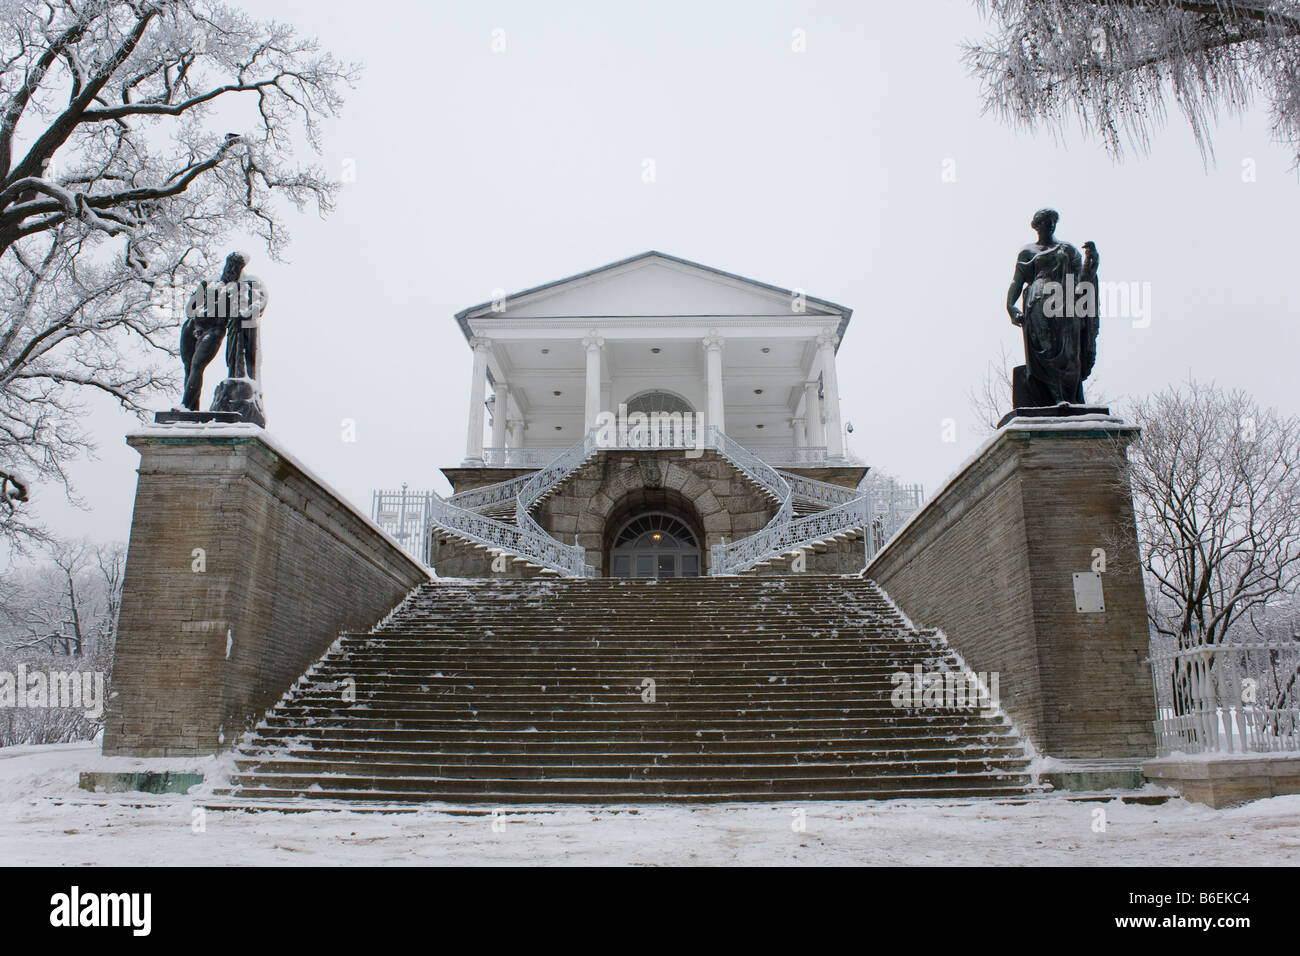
(205, 327)
(1059, 319)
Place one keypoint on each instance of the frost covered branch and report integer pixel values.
(116, 194)
(1112, 65)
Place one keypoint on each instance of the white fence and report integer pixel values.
(779, 456)
(890, 505)
(1227, 698)
(405, 515)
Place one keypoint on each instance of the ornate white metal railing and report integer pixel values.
(775, 541)
(878, 509)
(806, 456)
(754, 468)
(518, 457)
(1227, 698)
(474, 515)
(536, 547)
(541, 483)
(490, 496)
(820, 493)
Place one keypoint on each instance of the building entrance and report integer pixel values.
(655, 545)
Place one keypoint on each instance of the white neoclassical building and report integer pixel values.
(749, 473)
(655, 332)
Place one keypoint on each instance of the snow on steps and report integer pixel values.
(536, 692)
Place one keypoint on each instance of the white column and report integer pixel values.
(500, 408)
(593, 344)
(516, 428)
(831, 391)
(812, 416)
(477, 396)
(713, 363)
(800, 434)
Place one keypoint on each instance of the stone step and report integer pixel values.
(527, 691)
(636, 784)
(469, 698)
(666, 729)
(630, 673)
(845, 751)
(762, 770)
(737, 795)
(491, 712)
(327, 740)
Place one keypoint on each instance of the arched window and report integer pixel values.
(655, 545)
(658, 401)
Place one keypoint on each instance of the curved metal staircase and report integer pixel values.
(809, 512)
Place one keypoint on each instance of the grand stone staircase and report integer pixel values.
(607, 691)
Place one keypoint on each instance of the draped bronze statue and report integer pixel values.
(1057, 287)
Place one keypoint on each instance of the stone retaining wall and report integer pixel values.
(242, 569)
(990, 561)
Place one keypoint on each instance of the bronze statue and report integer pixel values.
(241, 331)
(1059, 319)
(231, 309)
(241, 392)
(206, 317)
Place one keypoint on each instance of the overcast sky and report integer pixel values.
(821, 170)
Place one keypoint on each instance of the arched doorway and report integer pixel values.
(655, 545)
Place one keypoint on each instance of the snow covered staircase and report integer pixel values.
(604, 691)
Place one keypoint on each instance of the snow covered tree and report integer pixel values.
(118, 181)
(1216, 494)
(1114, 64)
(67, 605)
(59, 615)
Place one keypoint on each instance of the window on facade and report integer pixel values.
(655, 532)
(655, 545)
(657, 401)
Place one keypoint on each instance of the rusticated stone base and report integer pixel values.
(705, 491)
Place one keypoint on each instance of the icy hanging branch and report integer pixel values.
(1112, 65)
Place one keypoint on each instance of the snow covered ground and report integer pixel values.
(46, 819)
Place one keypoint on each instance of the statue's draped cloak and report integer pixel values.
(1053, 343)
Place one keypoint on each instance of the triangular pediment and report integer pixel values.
(653, 284)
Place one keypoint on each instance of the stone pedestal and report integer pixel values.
(1005, 560)
(183, 416)
(1063, 410)
(242, 570)
(241, 397)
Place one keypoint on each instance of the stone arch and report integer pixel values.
(663, 500)
(650, 483)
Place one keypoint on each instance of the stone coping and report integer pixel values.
(1076, 426)
(241, 433)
